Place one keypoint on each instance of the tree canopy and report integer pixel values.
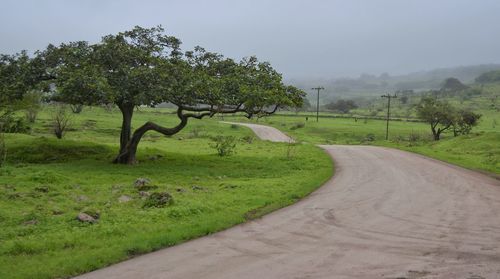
(342, 106)
(443, 116)
(144, 66)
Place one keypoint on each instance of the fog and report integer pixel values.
(300, 38)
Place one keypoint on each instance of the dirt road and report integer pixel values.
(265, 132)
(385, 214)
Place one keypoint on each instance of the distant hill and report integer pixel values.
(369, 85)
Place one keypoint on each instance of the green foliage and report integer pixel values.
(10, 123)
(342, 106)
(158, 199)
(464, 122)
(439, 114)
(224, 145)
(144, 66)
(32, 103)
(61, 121)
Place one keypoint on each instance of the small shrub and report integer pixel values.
(369, 137)
(195, 133)
(60, 121)
(235, 126)
(248, 139)
(32, 103)
(224, 145)
(161, 199)
(11, 124)
(413, 137)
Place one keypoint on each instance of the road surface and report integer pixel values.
(385, 214)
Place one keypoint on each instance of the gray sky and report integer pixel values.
(300, 38)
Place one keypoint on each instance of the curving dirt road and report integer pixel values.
(265, 132)
(385, 214)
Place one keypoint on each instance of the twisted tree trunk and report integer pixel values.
(128, 151)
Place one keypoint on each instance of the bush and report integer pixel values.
(224, 145)
(10, 124)
(60, 121)
(161, 199)
(369, 137)
(248, 139)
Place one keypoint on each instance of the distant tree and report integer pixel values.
(306, 105)
(403, 99)
(342, 106)
(440, 115)
(464, 121)
(491, 76)
(146, 67)
(453, 84)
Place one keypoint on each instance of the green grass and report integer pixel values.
(47, 182)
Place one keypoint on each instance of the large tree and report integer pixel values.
(146, 67)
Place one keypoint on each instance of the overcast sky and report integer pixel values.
(300, 38)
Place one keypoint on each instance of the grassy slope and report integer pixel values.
(49, 181)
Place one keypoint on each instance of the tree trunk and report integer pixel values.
(128, 152)
(126, 131)
(435, 133)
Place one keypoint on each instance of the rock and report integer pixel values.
(124, 198)
(197, 188)
(85, 218)
(141, 182)
(180, 190)
(161, 199)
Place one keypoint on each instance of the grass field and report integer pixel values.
(47, 182)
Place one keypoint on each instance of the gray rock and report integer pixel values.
(124, 198)
(85, 218)
(141, 182)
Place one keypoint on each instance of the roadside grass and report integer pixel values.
(480, 150)
(47, 182)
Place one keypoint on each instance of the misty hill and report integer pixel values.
(368, 85)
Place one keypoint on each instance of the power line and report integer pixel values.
(317, 101)
(389, 97)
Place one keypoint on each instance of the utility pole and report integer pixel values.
(389, 97)
(317, 101)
